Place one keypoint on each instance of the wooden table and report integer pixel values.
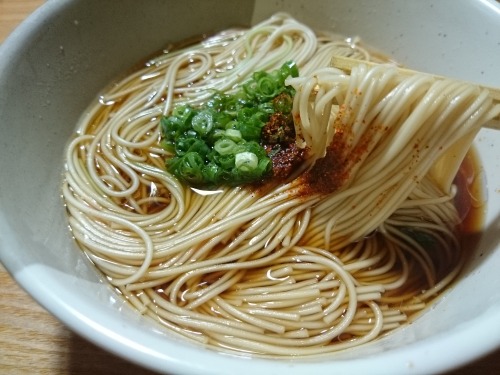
(34, 342)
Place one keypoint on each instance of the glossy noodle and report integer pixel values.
(358, 239)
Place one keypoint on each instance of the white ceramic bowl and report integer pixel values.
(56, 62)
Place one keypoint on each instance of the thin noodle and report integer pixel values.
(285, 270)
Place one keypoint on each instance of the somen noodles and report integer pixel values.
(345, 248)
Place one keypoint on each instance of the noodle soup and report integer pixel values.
(348, 246)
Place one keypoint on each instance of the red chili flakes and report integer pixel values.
(285, 159)
(328, 174)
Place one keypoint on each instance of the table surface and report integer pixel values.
(33, 341)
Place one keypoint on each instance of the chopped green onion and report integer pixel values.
(233, 134)
(224, 146)
(283, 103)
(190, 168)
(246, 161)
(202, 122)
(219, 142)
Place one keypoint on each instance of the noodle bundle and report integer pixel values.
(351, 245)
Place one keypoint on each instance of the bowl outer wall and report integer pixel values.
(47, 78)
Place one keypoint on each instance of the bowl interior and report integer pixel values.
(60, 58)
